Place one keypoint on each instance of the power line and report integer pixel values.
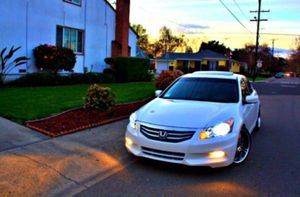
(236, 18)
(242, 12)
(237, 5)
(266, 33)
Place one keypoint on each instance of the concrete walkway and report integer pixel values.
(32, 164)
(13, 135)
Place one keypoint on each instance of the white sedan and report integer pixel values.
(201, 119)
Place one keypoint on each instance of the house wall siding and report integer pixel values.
(29, 23)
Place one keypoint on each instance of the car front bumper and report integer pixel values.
(214, 152)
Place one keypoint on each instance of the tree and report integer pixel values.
(215, 46)
(167, 41)
(189, 49)
(247, 54)
(143, 37)
(294, 59)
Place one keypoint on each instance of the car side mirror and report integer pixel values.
(253, 98)
(158, 93)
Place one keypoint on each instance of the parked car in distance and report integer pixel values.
(279, 75)
(201, 119)
(290, 74)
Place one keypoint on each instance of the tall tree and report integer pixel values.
(143, 37)
(169, 41)
(215, 46)
(294, 59)
(247, 54)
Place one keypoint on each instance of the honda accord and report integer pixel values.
(202, 119)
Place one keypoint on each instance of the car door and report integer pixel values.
(250, 110)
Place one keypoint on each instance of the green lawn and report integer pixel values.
(21, 104)
(260, 78)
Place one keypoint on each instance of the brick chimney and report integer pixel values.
(120, 44)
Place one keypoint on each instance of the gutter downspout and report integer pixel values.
(26, 42)
(84, 35)
(106, 29)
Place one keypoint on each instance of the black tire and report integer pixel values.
(258, 122)
(243, 147)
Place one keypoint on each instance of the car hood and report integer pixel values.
(184, 113)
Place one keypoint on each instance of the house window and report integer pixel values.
(76, 2)
(70, 38)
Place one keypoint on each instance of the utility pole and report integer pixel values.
(273, 44)
(258, 20)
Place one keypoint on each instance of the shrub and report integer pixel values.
(53, 58)
(1, 80)
(52, 79)
(129, 69)
(100, 98)
(166, 78)
(109, 75)
(36, 79)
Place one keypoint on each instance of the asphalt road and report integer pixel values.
(272, 168)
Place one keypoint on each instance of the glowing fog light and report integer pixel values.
(216, 154)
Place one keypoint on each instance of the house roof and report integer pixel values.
(140, 53)
(203, 54)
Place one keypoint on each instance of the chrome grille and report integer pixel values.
(166, 135)
(163, 154)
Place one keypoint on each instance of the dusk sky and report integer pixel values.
(204, 20)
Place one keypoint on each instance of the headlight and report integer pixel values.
(132, 121)
(220, 129)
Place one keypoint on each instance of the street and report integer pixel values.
(272, 168)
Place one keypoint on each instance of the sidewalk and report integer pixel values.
(34, 165)
(13, 135)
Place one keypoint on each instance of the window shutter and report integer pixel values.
(80, 42)
(59, 36)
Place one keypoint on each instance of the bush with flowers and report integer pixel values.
(100, 98)
(54, 58)
(166, 77)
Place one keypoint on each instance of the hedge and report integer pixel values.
(51, 79)
(130, 69)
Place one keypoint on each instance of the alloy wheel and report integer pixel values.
(243, 147)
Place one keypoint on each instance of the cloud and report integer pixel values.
(195, 26)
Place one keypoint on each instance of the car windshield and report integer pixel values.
(204, 89)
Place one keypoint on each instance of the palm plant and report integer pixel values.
(6, 65)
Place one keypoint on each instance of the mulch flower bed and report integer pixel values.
(79, 119)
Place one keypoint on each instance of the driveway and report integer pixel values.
(32, 164)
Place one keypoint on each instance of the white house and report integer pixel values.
(86, 26)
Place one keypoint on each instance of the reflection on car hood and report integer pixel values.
(185, 113)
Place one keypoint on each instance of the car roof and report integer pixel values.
(213, 74)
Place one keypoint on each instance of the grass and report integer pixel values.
(260, 78)
(21, 104)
